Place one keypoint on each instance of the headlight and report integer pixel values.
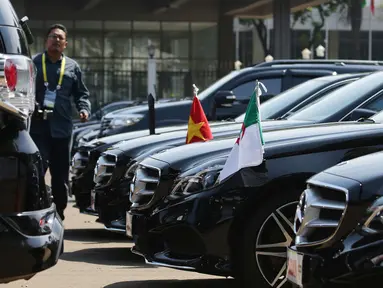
(203, 180)
(126, 121)
(17, 85)
(374, 222)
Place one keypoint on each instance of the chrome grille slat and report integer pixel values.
(80, 161)
(105, 123)
(322, 224)
(150, 180)
(146, 181)
(323, 203)
(319, 213)
(104, 169)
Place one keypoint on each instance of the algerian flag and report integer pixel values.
(249, 148)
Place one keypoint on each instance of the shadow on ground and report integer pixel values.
(106, 256)
(94, 236)
(200, 283)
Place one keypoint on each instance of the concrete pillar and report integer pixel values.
(258, 53)
(226, 44)
(333, 45)
(282, 31)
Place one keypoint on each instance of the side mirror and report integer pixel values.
(224, 98)
(360, 113)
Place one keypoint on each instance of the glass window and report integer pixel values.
(376, 104)
(213, 88)
(143, 32)
(294, 94)
(204, 40)
(117, 39)
(175, 40)
(244, 91)
(316, 98)
(344, 97)
(88, 44)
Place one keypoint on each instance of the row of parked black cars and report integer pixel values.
(293, 220)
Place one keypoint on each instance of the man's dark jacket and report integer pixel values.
(59, 123)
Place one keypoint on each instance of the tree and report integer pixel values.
(260, 27)
(353, 9)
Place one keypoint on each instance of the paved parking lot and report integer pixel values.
(94, 257)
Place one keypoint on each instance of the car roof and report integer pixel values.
(337, 62)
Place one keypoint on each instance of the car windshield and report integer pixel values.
(339, 99)
(215, 86)
(279, 102)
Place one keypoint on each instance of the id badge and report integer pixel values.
(49, 99)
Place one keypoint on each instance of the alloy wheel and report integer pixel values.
(275, 235)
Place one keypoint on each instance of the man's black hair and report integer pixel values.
(58, 26)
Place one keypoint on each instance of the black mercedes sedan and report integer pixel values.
(345, 103)
(339, 226)
(182, 217)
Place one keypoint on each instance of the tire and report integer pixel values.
(252, 267)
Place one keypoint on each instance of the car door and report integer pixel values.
(275, 81)
(243, 88)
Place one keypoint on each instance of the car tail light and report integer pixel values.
(17, 85)
(10, 73)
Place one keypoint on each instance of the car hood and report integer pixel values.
(79, 124)
(366, 170)
(266, 125)
(278, 143)
(143, 109)
(136, 147)
(143, 133)
(81, 129)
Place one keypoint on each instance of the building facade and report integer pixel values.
(193, 40)
(113, 55)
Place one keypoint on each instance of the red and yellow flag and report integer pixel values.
(198, 126)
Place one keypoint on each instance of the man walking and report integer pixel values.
(58, 79)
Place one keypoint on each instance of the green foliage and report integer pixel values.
(310, 15)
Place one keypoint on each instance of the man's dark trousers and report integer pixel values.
(56, 157)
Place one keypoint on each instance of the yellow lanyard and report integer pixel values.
(62, 70)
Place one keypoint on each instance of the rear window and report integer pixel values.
(8, 16)
(12, 37)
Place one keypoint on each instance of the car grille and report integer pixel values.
(104, 169)
(144, 184)
(79, 162)
(319, 213)
(105, 123)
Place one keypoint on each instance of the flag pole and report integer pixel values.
(370, 38)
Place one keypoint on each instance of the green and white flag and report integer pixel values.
(248, 150)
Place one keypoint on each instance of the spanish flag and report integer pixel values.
(198, 127)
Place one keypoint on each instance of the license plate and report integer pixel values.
(294, 267)
(129, 224)
(93, 200)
